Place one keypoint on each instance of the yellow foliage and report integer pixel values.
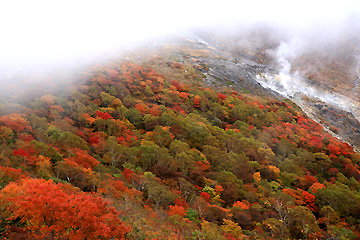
(116, 103)
(276, 170)
(232, 228)
(257, 176)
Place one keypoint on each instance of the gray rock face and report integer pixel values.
(338, 114)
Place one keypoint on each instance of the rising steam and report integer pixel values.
(290, 84)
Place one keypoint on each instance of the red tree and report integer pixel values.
(83, 158)
(49, 211)
(102, 115)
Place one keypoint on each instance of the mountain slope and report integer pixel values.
(320, 76)
(170, 143)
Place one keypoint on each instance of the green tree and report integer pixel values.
(158, 193)
(114, 152)
(70, 140)
(106, 99)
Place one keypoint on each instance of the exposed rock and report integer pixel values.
(338, 114)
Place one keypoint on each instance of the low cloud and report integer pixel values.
(46, 32)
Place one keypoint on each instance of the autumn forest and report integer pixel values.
(143, 148)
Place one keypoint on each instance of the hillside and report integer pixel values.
(320, 75)
(165, 143)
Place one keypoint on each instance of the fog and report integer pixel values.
(34, 33)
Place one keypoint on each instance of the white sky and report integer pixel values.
(34, 30)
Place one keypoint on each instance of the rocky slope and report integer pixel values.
(323, 95)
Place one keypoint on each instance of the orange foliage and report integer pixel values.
(142, 108)
(176, 210)
(155, 111)
(15, 122)
(203, 166)
(11, 174)
(243, 204)
(257, 176)
(88, 119)
(221, 97)
(50, 212)
(184, 95)
(26, 137)
(83, 158)
(181, 202)
(197, 101)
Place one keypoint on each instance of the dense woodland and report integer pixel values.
(146, 150)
